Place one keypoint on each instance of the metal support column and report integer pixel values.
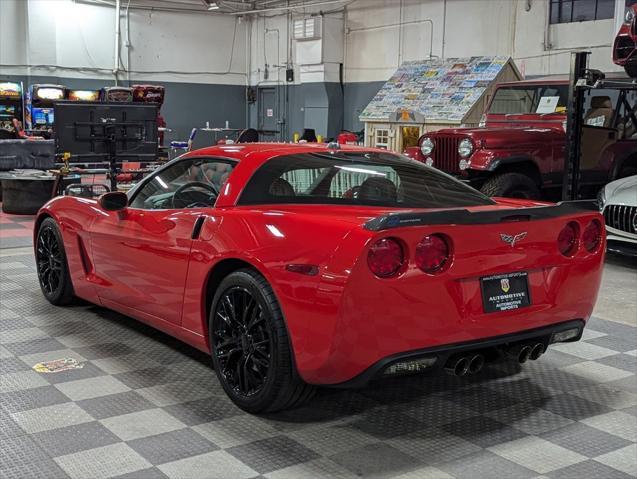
(575, 118)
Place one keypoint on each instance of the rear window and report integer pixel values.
(374, 179)
(530, 99)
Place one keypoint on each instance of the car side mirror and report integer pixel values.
(113, 201)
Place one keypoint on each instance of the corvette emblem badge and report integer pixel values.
(511, 239)
(504, 284)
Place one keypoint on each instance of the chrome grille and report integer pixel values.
(445, 154)
(621, 217)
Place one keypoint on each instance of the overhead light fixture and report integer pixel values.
(213, 6)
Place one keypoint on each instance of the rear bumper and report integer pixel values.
(443, 353)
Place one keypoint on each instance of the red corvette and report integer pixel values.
(625, 45)
(302, 265)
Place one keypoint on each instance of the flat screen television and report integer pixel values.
(96, 131)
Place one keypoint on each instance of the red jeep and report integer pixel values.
(520, 146)
(625, 46)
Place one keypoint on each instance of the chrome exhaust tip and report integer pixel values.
(537, 351)
(525, 353)
(458, 366)
(476, 363)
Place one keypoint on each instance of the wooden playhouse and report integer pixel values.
(428, 95)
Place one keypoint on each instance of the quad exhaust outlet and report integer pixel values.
(464, 365)
(472, 363)
(524, 351)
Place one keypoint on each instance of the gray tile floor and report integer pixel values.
(146, 406)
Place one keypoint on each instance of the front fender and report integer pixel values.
(74, 217)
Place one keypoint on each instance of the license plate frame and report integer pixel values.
(505, 292)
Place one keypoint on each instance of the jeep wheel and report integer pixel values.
(511, 185)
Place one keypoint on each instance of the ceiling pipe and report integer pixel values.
(287, 8)
(348, 31)
(154, 8)
(117, 39)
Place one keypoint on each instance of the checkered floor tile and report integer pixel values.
(15, 230)
(146, 406)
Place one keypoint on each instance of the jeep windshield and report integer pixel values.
(525, 99)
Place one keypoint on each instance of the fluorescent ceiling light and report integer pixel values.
(213, 6)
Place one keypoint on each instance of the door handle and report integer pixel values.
(196, 229)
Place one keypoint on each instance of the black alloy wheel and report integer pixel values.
(243, 344)
(251, 351)
(51, 264)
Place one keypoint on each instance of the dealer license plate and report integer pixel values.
(504, 292)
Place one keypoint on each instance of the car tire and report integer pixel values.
(247, 330)
(51, 264)
(631, 70)
(511, 185)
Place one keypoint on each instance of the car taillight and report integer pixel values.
(385, 257)
(592, 235)
(432, 253)
(567, 239)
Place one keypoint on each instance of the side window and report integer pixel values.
(189, 183)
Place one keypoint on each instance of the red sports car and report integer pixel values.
(625, 46)
(303, 265)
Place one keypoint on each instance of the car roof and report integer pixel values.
(251, 156)
(261, 152)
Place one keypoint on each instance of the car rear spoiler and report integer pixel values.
(466, 217)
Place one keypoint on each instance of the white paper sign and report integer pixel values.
(269, 113)
(547, 104)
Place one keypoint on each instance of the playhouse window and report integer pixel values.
(382, 138)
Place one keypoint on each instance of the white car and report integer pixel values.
(618, 203)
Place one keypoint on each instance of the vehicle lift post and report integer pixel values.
(571, 179)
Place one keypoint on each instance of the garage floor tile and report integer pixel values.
(376, 461)
(102, 462)
(51, 417)
(171, 446)
(589, 470)
(141, 424)
(537, 454)
(92, 387)
(200, 467)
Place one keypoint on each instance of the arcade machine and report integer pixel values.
(152, 94)
(116, 94)
(38, 112)
(83, 95)
(11, 105)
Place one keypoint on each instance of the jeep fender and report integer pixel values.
(517, 164)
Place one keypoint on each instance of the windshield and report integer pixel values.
(369, 179)
(530, 99)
